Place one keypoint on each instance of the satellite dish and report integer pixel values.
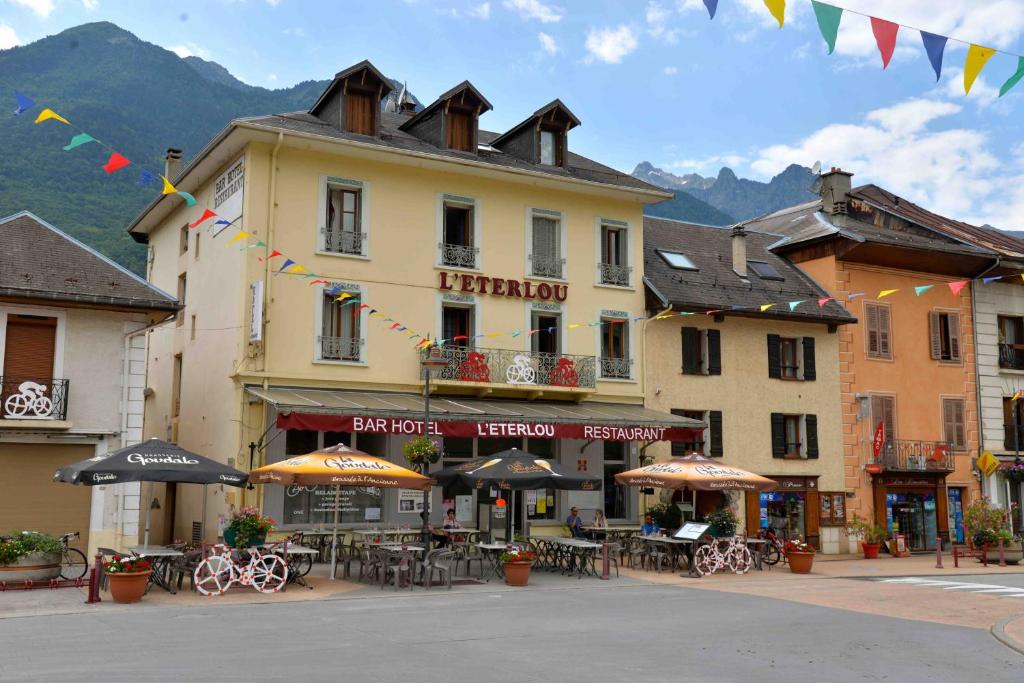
(816, 168)
(816, 171)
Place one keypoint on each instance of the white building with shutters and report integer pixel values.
(73, 356)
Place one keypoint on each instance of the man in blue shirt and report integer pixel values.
(575, 523)
(650, 527)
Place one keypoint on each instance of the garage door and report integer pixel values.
(30, 499)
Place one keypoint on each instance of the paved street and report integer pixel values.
(590, 632)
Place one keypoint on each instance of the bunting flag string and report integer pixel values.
(115, 163)
(885, 37)
(934, 47)
(24, 103)
(78, 141)
(828, 17)
(977, 57)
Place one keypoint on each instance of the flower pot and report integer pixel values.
(517, 573)
(870, 550)
(1011, 554)
(34, 567)
(128, 587)
(231, 539)
(800, 563)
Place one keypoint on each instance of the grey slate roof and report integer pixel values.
(715, 286)
(38, 261)
(578, 167)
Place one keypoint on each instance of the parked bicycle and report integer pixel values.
(773, 551)
(73, 564)
(736, 557)
(266, 572)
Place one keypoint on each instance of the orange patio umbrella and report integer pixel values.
(339, 466)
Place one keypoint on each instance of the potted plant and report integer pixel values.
(517, 563)
(987, 525)
(29, 557)
(128, 577)
(247, 527)
(421, 451)
(667, 515)
(800, 556)
(723, 523)
(872, 535)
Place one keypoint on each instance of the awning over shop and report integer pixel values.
(392, 413)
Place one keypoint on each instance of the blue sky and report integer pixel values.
(652, 81)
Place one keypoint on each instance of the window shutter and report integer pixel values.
(871, 313)
(883, 409)
(935, 332)
(811, 426)
(961, 424)
(31, 344)
(715, 432)
(884, 348)
(778, 435)
(714, 352)
(954, 336)
(676, 447)
(774, 357)
(810, 373)
(691, 337)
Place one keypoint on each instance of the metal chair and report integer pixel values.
(614, 552)
(659, 555)
(444, 563)
(636, 552)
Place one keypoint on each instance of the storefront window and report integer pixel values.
(300, 441)
(540, 503)
(315, 505)
(616, 497)
(955, 510)
(456, 452)
(914, 516)
(334, 438)
(783, 512)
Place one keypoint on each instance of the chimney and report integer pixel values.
(172, 163)
(739, 250)
(835, 186)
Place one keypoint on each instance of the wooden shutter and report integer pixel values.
(460, 130)
(884, 348)
(691, 338)
(871, 328)
(877, 330)
(778, 435)
(359, 114)
(811, 427)
(677, 448)
(774, 357)
(29, 348)
(714, 352)
(546, 242)
(883, 409)
(810, 372)
(715, 432)
(954, 336)
(953, 422)
(935, 334)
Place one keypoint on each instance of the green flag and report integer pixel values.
(78, 141)
(828, 21)
(1013, 80)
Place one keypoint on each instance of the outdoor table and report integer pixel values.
(579, 552)
(677, 545)
(492, 551)
(757, 550)
(162, 557)
(292, 549)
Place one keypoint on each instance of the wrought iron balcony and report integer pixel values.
(458, 255)
(546, 265)
(341, 348)
(507, 366)
(1011, 357)
(612, 274)
(616, 368)
(344, 242)
(901, 455)
(36, 398)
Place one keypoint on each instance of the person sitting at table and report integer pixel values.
(600, 522)
(451, 523)
(650, 527)
(440, 539)
(575, 523)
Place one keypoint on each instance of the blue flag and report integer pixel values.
(287, 263)
(24, 103)
(145, 177)
(934, 45)
(712, 6)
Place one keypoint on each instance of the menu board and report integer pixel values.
(691, 531)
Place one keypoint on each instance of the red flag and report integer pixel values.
(394, 326)
(207, 215)
(955, 287)
(879, 438)
(885, 36)
(115, 163)
(824, 300)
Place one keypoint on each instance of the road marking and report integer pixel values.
(965, 586)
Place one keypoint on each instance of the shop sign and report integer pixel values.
(485, 430)
(227, 195)
(497, 286)
(796, 483)
(899, 481)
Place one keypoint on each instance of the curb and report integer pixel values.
(998, 631)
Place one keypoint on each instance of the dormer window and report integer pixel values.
(550, 147)
(542, 138)
(450, 121)
(351, 102)
(460, 122)
(361, 112)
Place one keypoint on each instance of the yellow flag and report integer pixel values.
(886, 292)
(975, 62)
(168, 188)
(765, 307)
(47, 114)
(296, 268)
(344, 295)
(242, 234)
(492, 335)
(988, 463)
(778, 10)
(573, 326)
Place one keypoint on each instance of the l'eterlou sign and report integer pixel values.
(516, 289)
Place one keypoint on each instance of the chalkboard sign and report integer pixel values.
(691, 531)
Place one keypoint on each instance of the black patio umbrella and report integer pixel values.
(152, 460)
(516, 470)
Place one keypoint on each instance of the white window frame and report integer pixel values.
(563, 239)
(477, 205)
(364, 317)
(59, 339)
(605, 314)
(326, 181)
(599, 222)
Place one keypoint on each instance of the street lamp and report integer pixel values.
(431, 360)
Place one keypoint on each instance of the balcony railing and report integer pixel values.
(458, 255)
(506, 366)
(616, 368)
(546, 265)
(612, 274)
(1011, 357)
(901, 455)
(36, 398)
(344, 242)
(341, 348)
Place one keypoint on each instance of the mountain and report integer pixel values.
(134, 96)
(738, 197)
(686, 207)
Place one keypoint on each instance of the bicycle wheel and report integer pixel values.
(300, 565)
(771, 554)
(73, 564)
(214, 575)
(269, 574)
(42, 406)
(703, 560)
(739, 560)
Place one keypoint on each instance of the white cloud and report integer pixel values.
(670, 70)
(41, 7)
(547, 43)
(981, 93)
(91, 4)
(711, 163)
(190, 50)
(535, 9)
(481, 11)
(610, 45)
(657, 16)
(8, 38)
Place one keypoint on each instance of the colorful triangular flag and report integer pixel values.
(824, 300)
(955, 287)
(921, 289)
(190, 201)
(115, 163)
(1014, 79)
(977, 57)
(24, 103)
(794, 304)
(934, 45)
(78, 141)
(47, 114)
(145, 177)
(242, 234)
(207, 215)
(885, 36)
(886, 292)
(850, 297)
(828, 17)
(993, 278)
(777, 9)
(712, 6)
(344, 295)
(286, 264)
(765, 307)
(168, 188)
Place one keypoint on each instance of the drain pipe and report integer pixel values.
(267, 278)
(643, 373)
(977, 370)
